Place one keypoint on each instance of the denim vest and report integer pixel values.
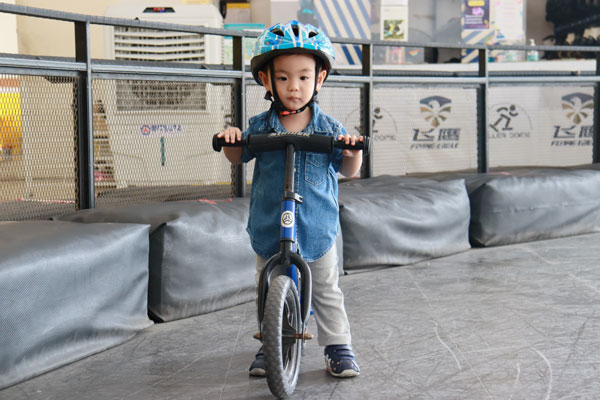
(315, 177)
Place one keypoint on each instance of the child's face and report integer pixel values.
(294, 79)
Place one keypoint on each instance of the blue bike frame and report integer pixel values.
(288, 261)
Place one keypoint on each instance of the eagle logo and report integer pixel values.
(578, 106)
(435, 109)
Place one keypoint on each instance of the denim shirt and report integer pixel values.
(315, 179)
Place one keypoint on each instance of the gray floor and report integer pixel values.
(513, 322)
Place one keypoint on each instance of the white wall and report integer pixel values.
(8, 31)
(537, 26)
(38, 36)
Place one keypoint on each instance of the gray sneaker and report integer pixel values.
(339, 360)
(257, 368)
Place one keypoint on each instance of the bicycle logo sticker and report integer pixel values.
(287, 219)
(435, 110)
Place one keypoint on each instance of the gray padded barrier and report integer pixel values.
(390, 220)
(586, 166)
(532, 204)
(68, 291)
(200, 254)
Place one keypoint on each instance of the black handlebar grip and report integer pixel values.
(219, 143)
(216, 143)
(259, 143)
(365, 145)
(302, 142)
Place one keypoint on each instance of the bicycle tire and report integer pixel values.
(282, 349)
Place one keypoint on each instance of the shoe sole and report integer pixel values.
(259, 372)
(349, 373)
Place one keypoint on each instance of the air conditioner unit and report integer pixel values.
(159, 131)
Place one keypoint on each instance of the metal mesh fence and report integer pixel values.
(152, 136)
(343, 104)
(152, 141)
(37, 131)
(255, 104)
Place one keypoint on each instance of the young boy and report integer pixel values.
(292, 61)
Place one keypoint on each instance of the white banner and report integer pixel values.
(551, 126)
(424, 130)
(435, 129)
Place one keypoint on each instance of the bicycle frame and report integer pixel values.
(288, 254)
(284, 328)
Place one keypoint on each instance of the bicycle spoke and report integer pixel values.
(288, 333)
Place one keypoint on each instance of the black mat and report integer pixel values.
(200, 255)
(533, 204)
(390, 220)
(68, 291)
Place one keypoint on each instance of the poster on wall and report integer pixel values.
(429, 130)
(541, 126)
(394, 20)
(509, 21)
(499, 22)
(476, 14)
(435, 129)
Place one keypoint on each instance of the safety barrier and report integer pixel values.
(81, 133)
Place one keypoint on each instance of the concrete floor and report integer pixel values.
(512, 322)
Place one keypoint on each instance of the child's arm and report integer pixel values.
(232, 135)
(352, 158)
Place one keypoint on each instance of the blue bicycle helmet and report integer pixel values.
(293, 37)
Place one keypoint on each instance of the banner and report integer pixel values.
(476, 14)
(540, 126)
(428, 130)
(509, 21)
(499, 22)
(418, 130)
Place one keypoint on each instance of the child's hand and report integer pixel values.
(231, 135)
(351, 139)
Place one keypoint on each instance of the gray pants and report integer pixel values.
(327, 299)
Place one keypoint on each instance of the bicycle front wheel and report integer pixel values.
(281, 324)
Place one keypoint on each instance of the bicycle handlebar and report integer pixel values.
(301, 141)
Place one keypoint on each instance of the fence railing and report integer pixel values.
(91, 133)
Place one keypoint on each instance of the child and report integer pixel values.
(292, 61)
